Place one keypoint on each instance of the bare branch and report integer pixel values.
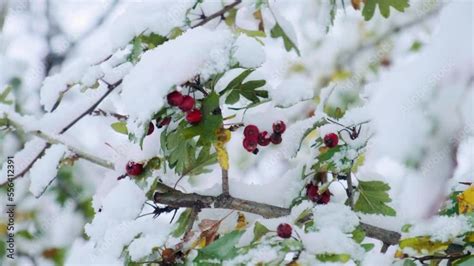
(177, 198)
(225, 182)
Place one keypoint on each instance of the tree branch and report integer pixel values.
(218, 13)
(225, 182)
(177, 198)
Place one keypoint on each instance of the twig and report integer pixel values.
(225, 182)
(350, 189)
(177, 198)
(54, 140)
(218, 13)
(441, 257)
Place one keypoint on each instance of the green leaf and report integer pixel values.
(233, 97)
(373, 198)
(466, 261)
(368, 246)
(277, 31)
(137, 50)
(153, 40)
(358, 235)
(409, 262)
(4, 95)
(237, 81)
(259, 230)
(384, 7)
(221, 249)
(25, 234)
(327, 257)
(182, 223)
(406, 228)
(120, 127)
(210, 122)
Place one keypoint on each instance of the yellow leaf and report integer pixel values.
(340, 75)
(466, 200)
(223, 136)
(241, 221)
(399, 254)
(222, 156)
(469, 238)
(424, 243)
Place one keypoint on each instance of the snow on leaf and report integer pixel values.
(373, 198)
(466, 200)
(45, 169)
(277, 32)
(145, 87)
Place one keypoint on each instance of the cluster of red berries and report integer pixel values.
(186, 104)
(133, 168)
(331, 140)
(284, 230)
(253, 137)
(312, 192)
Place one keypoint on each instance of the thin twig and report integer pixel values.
(218, 13)
(225, 182)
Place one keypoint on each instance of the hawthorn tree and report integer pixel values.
(211, 149)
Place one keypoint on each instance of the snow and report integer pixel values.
(248, 52)
(143, 246)
(197, 51)
(440, 228)
(331, 240)
(335, 215)
(291, 91)
(45, 169)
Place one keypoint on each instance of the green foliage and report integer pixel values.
(211, 121)
(327, 257)
(259, 231)
(4, 94)
(373, 198)
(144, 42)
(248, 90)
(277, 31)
(466, 261)
(120, 127)
(384, 7)
(182, 223)
(219, 250)
(358, 235)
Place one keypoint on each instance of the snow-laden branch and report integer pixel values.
(50, 139)
(177, 198)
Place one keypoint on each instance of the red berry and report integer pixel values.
(175, 98)
(325, 197)
(275, 138)
(251, 131)
(166, 121)
(331, 140)
(133, 168)
(250, 144)
(263, 139)
(194, 116)
(279, 127)
(187, 104)
(284, 230)
(312, 192)
(151, 128)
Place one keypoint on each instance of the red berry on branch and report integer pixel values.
(151, 128)
(325, 197)
(174, 98)
(284, 230)
(279, 127)
(250, 144)
(194, 116)
(164, 122)
(133, 168)
(312, 191)
(251, 131)
(331, 140)
(187, 104)
(263, 138)
(275, 138)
